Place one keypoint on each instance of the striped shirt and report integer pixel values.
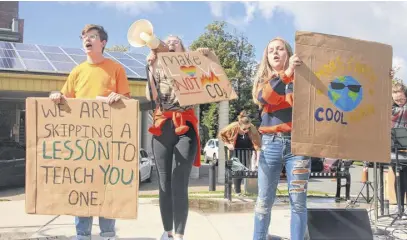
(167, 98)
(277, 98)
(399, 116)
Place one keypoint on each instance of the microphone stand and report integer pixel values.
(397, 145)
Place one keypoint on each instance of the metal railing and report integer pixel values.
(245, 157)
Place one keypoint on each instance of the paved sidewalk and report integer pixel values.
(208, 219)
(201, 225)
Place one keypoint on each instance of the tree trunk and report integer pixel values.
(223, 122)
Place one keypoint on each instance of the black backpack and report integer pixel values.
(317, 164)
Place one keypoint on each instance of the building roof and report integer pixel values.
(34, 58)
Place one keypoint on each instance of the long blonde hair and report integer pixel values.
(265, 71)
(243, 118)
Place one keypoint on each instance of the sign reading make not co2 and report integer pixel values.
(197, 78)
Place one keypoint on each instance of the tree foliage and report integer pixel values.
(118, 48)
(236, 56)
(395, 70)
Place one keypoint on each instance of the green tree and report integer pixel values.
(395, 70)
(210, 120)
(236, 56)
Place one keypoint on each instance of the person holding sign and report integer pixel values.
(97, 77)
(175, 131)
(242, 134)
(273, 92)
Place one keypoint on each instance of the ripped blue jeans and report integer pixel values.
(276, 151)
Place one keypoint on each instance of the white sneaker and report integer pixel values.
(166, 237)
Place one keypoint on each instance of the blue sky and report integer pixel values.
(59, 23)
(187, 19)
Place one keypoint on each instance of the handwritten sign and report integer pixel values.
(197, 79)
(82, 158)
(342, 98)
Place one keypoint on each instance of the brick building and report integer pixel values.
(11, 27)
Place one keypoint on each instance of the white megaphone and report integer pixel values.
(141, 34)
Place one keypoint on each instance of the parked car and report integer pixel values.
(146, 167)
(211, 150)
(12, 164)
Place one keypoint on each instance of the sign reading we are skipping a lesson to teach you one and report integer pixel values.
(82, 158)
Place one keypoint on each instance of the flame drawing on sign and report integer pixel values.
(209, 79)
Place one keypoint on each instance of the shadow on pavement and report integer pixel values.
(12, 192)
(274, 237)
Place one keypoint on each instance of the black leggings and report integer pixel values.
(174, 184)
(403, 185)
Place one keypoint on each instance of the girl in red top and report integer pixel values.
(175, 133)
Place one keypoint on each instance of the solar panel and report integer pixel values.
(119, 55)
(140, 71)
(50, 49)
(58, 57)
(129, 73)
(6, 45)
(64, 66)
(138, 56)
(9, 59)
(53, 59)
(76, 51)
(24, 46)
(131, 63)
(31, 55)
(38, 65)
(6, 53)
(78, 59)
(11, 63)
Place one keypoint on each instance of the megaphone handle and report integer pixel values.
(162, 47)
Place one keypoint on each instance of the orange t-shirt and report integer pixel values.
(88, 81)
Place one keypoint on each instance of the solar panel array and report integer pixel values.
(52, 59)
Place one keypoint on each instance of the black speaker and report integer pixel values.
(339, 224)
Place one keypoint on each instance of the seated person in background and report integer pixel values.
(242, 134)
(399, 120)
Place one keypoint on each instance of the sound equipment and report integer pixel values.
(402, 157)
(339, 224)
(141, 34)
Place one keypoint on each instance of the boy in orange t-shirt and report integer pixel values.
(97, 76)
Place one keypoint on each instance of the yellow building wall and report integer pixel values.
(47, 83)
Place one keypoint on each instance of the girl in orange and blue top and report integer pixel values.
(175, 132)
(273, 92)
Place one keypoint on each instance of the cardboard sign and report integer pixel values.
(342, 98)
(197, 79)
(82, 158)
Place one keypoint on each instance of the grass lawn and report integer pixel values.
(358, 163)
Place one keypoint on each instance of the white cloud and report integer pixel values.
(384, 22)
(134, 8)
(221, 9)
(217, 8)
